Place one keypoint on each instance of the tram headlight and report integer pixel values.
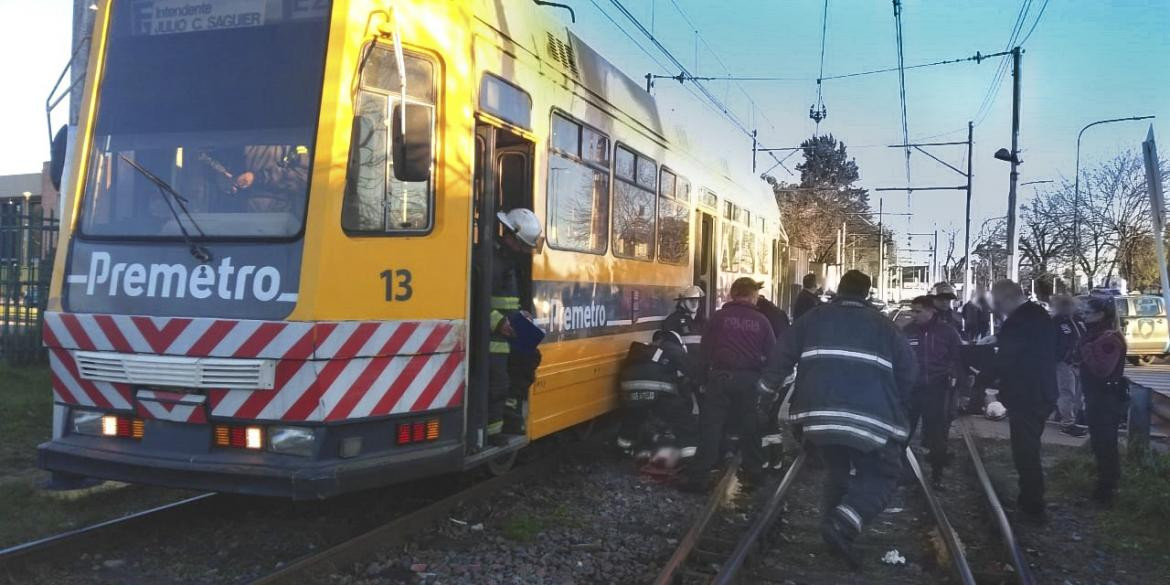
(87, 422)
(291, 440)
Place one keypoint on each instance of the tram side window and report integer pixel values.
(377, 203)
(634, 208)
(674, 218)
(578, 187)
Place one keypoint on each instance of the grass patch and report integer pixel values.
(27, 512)
(1141, 513)
(26, 416)
(525, 526)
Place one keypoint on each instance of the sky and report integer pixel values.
(1086, 60)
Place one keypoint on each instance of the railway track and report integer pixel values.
(704, 558)
(314, 567)
(68, 544)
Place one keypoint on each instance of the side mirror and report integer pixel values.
(412, 151)
(57, 156)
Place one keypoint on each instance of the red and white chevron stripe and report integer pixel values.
(172, 406)
(70, 388)
(210, 337)
(325, 371)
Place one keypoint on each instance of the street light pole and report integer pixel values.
(1077, 193)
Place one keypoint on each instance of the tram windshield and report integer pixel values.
(218, 99)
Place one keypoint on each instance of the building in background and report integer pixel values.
(26, 202)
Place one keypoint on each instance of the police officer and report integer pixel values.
(736, 343)
(655, 399)
(944, 299)
(936, 346)
(1102, 366)
(1024, 366)
(854, 379)
(521, 236)
(685, 318)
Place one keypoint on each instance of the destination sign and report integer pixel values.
(164, 17)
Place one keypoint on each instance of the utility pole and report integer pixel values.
(881, 252)
(967, 279)
(934, 258)
(1013, 252)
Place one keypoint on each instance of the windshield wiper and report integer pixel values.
(200, 253)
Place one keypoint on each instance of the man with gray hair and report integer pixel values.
(1024, 371)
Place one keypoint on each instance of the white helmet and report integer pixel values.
(524, 224)
(691, 292)
(995, 411)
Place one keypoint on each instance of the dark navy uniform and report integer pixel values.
(655, 397)
(505, 302)
(682, 322)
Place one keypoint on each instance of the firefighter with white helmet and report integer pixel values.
(510, 375)
(685, 318)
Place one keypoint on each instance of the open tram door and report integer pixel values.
(503, 181)
(706, 276)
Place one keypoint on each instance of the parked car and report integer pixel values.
(1143, 322)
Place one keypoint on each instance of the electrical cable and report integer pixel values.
(699, 36)
(818, 111)
(1036, 22)
(902, 90)
(1001, 71)
(714, 101)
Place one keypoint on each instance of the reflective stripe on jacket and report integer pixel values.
(855, 375)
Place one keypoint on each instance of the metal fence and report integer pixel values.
(28, 242)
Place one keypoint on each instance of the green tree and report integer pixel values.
(825, 198)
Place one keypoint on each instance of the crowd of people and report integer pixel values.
(859, 389)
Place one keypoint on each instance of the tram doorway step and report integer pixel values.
(512, 443)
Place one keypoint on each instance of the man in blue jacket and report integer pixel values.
(850, 401)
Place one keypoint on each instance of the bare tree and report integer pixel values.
(1044, 238)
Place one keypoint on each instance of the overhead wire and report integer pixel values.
(819, 112)
(902, 94)
(1036, 22)
(719, 106)
(711, 49)
(992, 94)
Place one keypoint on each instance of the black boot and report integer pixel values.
(839, 539)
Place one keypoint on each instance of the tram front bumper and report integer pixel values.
(264, 475)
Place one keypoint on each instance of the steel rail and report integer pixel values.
(399, 529)
(1023, 571)
(24, 552)
(688, 542)
(747, 543)
(958, 558)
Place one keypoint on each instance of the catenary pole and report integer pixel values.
(1013, 252)
(967, 280)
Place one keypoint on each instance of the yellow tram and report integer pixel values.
(271, 276)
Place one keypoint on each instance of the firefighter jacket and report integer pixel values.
(856, 372)
(686, 326)
(653, 370)
(505, 295)
(937, 348)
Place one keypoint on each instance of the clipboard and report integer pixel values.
(527, 334)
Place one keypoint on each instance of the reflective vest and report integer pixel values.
(652, 371)
(505, 296)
